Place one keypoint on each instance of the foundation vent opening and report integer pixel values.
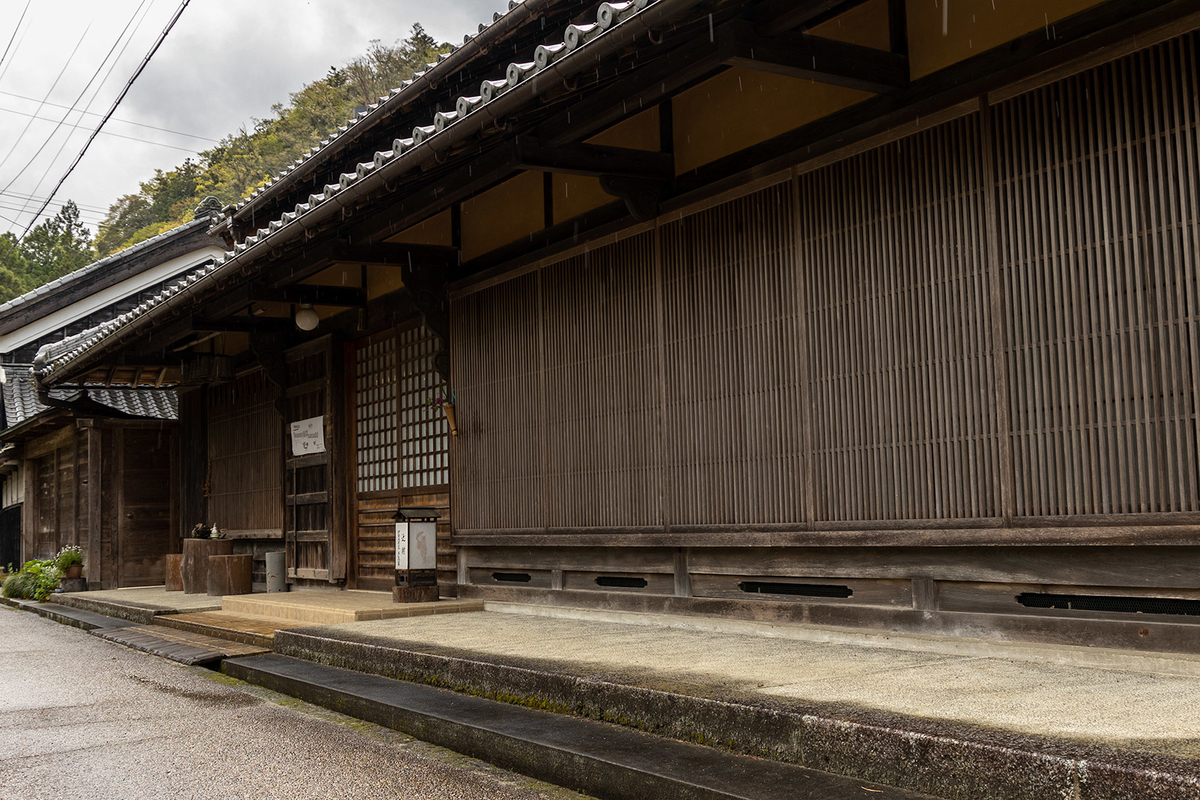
(512, 577)
(795, 589)
(1120, 605)
(621, 582)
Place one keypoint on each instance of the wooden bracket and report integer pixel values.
(642, 197)
(800, 55)
(596, 160)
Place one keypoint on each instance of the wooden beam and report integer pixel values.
(341, 296)
(800, 55)
(443, 190)
(595, 160)
(786, 15)
(244, 325)
(643, 88)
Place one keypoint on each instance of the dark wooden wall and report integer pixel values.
(991, 323)
(986, 333)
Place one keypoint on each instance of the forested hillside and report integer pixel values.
(228, 171)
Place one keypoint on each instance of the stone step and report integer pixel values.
(182, 646)
(78, 618)
(245, 628)
(605, 761)
(143, 613)
(332, 608)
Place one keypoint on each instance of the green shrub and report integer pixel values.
(69, 556)
(37, 580)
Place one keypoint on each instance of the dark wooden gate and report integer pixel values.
(315, 510)
(145, 507)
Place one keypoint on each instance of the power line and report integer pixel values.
(82, 92)
(14, 36)
(70, 58)
(106, 133)
(114, 119)
(129, 85)
(22, 196)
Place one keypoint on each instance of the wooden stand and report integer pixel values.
(414, 594)
(174, 577)
(230, 575)
(195, 561)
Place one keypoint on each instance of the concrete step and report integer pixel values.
(142, 613)
(606, 761)
(182, 646)
(250, 629)
(78, 618)
(332, 608)
(939, 757)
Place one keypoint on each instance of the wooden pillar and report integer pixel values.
(29, 510)
(339, 449)
(193, 460)
(93, 560)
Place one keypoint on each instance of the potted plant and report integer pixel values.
(70, 561)
(444, 400)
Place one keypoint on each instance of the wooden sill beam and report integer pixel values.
(800, 55)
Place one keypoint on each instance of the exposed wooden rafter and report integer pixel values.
(340, 296)
(595, 160)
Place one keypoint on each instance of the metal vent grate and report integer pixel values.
(622, 582)
(1121, 605)
(512, 577)
(800, 589)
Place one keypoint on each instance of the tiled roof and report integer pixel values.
(21, 401)
(447, 64)
(95, 266)
(582, 46)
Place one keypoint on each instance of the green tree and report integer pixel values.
(14, 269)
(59, 245)
(245, 159)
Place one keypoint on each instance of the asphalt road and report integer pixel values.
(83, 718)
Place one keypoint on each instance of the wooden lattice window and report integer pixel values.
(424, 433)
(402, 442)
(375, 413)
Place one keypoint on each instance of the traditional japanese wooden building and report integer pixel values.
(93, 465)
(869, 313)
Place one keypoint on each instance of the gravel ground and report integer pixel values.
(83, 718)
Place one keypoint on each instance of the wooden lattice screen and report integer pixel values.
(995, 321)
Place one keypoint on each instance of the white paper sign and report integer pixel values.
(401, 545)
(308, 436)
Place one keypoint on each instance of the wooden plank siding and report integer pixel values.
(930, 376)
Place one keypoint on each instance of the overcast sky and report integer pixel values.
(224, 63)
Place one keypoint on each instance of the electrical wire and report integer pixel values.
(82, 92)
(114, 119)
(14, 36)
(106, 133)
(128, 85)
(62, 72)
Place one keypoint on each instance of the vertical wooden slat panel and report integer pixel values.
(1103, 286)
(900, 338)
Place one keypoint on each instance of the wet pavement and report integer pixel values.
(83, 718)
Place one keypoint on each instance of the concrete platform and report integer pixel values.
(607, 761)
(182, 646)
(1019, 723)
(139, 605)
(334, 607)
(246, 628)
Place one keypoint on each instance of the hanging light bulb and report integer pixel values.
(306, 317)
